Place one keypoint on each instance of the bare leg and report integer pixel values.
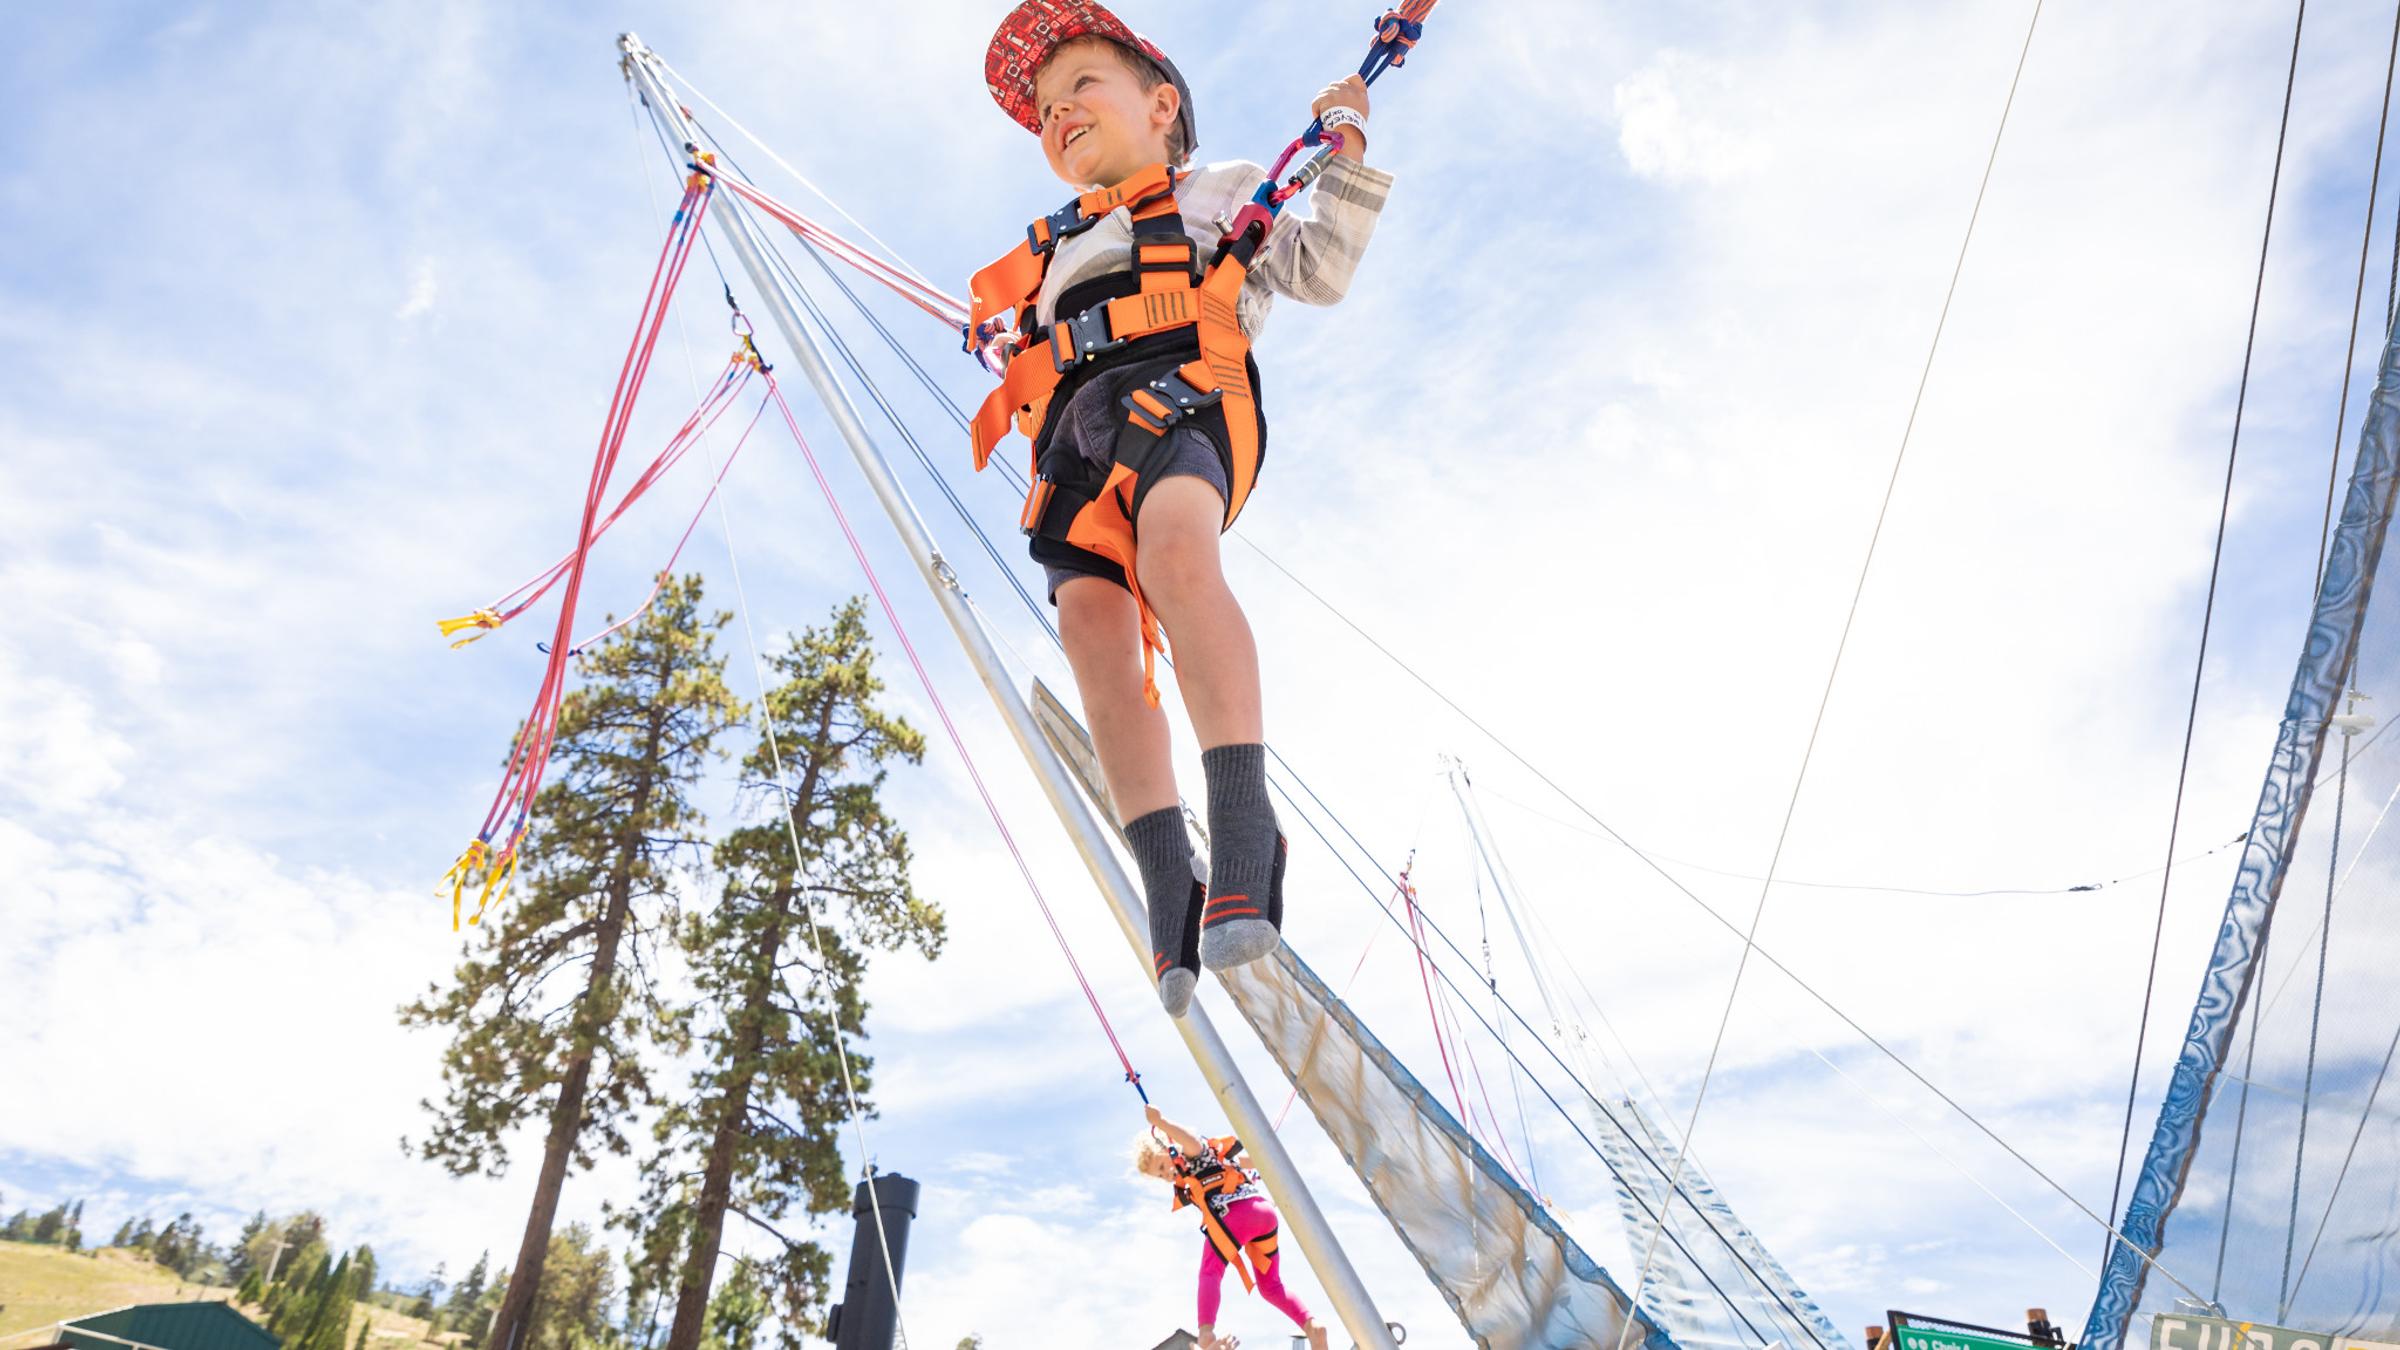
(1103, 636)
(1216, 662)
(1216, 659)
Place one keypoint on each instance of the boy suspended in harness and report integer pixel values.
(1129, 369)
(1240, 1229)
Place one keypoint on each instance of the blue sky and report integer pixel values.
(307, 326)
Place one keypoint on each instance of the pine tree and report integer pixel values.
(365, 1325)
(579, 1281)
(428, 1306)
(20, 1227)
(610, 838)
(250, 1291)
(764, 1116)
(239, 1262)
(736, 1312)
(362, 1272)
(327, 1320)
(467, 1294)
(124, 1234)
(303, 1236)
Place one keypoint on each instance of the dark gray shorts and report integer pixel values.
(1093, 417)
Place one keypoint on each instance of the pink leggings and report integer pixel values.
(1247, 1220)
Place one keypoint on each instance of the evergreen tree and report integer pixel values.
(764, 1116)
(124, 1234)
(736, 1312)
(427, 1307)
(52, 1226)
(486, 1309)
(179, 1246)
(362, 1272)
(325, 1324)
(20, 1227)
(251, 1290)
(467, 1294)
(551, 1017)
(579, 1281)
(239, 1261)
(364, 1326)
(303, 1239)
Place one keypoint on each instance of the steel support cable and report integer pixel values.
(1765, 955)
(1516, 1089)
(2316, 1014)
(766, 723)
(2208, 612)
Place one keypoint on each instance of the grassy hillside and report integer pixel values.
(40, 1285)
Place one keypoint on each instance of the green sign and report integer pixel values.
(2184, 1331)
(1931, 1338)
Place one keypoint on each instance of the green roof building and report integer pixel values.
(167, 1326)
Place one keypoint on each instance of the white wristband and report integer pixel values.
(1339, 116)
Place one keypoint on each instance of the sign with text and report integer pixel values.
(1942, 1338)
(2184, 1331)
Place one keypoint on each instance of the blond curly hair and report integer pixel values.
(1147, 1146)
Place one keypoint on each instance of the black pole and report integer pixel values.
(868, 1317)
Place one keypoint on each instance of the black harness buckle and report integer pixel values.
(1065, 222)
(1179, 396)
(1080, 337)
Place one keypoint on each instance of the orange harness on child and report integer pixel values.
(1206, 1182)
(1174, 300)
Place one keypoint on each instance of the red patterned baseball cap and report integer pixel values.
(1035, 28)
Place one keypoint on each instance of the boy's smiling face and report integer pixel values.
(1098, 124)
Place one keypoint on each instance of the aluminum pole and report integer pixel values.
(1301, 1217)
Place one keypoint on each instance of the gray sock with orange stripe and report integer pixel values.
(1239, 922)
(1172, 891)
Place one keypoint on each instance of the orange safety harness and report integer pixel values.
(1169, 311)
(1210, 1181)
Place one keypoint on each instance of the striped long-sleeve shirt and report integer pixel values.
(1309, 256)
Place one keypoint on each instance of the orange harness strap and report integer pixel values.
(1167, 301)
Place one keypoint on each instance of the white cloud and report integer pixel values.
(1662, 138)
(420, 294)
